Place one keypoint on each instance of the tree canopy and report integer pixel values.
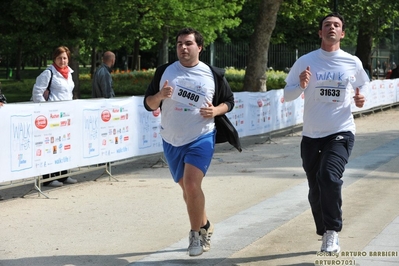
(30, 30)
(297, 21)
(37, 27)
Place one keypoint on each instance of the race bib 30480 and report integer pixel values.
(188, 93)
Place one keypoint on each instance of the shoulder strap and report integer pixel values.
(51, 77)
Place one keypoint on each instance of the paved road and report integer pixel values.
(257, 200)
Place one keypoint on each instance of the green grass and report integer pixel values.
(17, 91)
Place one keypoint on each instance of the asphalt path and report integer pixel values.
(256, 199)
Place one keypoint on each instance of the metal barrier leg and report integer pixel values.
(107, 171)
(269, 139)
(36, 187)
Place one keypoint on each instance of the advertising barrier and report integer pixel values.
(41, 138)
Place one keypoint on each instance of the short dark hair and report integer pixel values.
(197, 35)
(334, 14)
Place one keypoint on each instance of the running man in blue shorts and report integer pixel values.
(190, 94)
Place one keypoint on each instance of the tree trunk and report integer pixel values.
(164, 52)
(255, 73)
(18, 61)
(93, 61)
(136, 53)
(74, 64)
(364, 45)
(43, 61)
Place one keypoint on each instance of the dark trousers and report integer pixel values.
(324, 160)
(55, 174)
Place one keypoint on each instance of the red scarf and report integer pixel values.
(64, 71)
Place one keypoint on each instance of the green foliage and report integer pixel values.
(297, 21)
(125, 84)
(274, 79)
(17, 91)
(378, 14)
(35, 28)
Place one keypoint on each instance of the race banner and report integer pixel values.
(41, 138)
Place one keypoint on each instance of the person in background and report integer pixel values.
(59, 76)
(394, 73)
(188, 125)
(3, 98)
(102, 86)
(327, 76)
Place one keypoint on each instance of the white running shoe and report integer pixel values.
(323, 243)
(206, 237)
(55, 183)
(330, 242)
(195, 247)
(70, 180)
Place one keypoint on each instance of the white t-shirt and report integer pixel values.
(329, 94)
(193, 87)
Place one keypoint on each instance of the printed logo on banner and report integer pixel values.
(106, 116)
(21, 143)
(64, 114)
(41, 122)
(91, 134)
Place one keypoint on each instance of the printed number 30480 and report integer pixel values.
(189, 95)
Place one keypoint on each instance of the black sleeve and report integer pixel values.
(227, 95)
(395, 73)
(153, 88)
(223, 92)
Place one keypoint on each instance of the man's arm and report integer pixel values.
(152, 98)
(212, 111)
(154, 101)
(359, 99)
(294, 86)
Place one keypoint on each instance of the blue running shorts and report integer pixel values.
(198, 153)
